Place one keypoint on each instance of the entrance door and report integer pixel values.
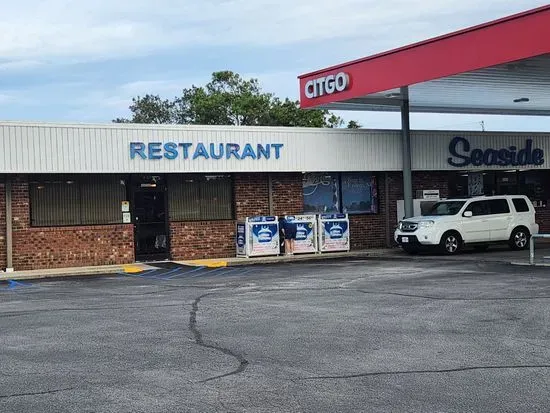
(151, 235)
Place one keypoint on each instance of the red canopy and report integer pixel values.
(501, 67)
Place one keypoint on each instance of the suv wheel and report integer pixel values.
(519, 240)
(451, 243)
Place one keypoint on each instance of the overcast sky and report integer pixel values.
(68, 60)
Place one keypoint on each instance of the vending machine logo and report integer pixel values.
(240, 240)
(336, 231)
(264, 234)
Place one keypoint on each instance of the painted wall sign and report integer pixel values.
(326, 85)
(462, 155)
(173, 150)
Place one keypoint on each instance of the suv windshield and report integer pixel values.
(446, 208)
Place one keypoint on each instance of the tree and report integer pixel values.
(352, 124)
(228, 99)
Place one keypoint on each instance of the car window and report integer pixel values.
(446, 208)
(520, 205)
(478, 208)
(499, 206)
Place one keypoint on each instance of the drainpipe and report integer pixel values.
(9, 229)
(387, 201)
(270, 193)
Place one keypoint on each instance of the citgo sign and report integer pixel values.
(326, 85)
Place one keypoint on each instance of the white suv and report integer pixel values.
(453, 223)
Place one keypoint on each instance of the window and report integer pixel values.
(446, 208)
(478, 208)
(59, 200)
(200, 197)
(520, 205)
(359, 193)
(499, 206)
(321, 192)
(347, 192)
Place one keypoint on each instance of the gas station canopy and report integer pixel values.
(501, 67)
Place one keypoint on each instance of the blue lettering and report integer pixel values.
(200, 151)
(513, 159)
(232, 149)
(264, 151)
(277, 147)
(137, 148)
(460, 148)
(185, 147)
(453, 149)
(538, 157)
(476, 158)
(154, 149)
(490, 157)
(504, 157)
(170, 150)
(248, 151)
(213, 151)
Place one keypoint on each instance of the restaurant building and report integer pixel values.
(75, 194)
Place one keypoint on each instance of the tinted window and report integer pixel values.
(58, 200)
(446, 208)
(499, 206)
(478, 208)
(521, 205)
(200, 197)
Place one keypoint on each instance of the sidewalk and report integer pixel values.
(102, 270)
(502, 256)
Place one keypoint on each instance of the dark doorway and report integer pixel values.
(151, 232)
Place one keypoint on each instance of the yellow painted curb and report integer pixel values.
(132, 269)
(207, 263)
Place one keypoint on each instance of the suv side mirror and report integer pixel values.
(468, 214)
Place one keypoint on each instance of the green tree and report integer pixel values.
(352, 124)
(227, 99)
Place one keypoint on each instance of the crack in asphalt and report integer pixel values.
(199, 340)
(51, 310)
(429, 297)
(442, 371)
(39, 393)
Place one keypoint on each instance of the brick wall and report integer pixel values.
(56, 247)
(2, 226)
(287, 194)
(196, 240)
(251, 195)
(431, 180)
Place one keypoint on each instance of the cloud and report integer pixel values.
(106, 29)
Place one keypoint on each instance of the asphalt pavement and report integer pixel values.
(346, 335)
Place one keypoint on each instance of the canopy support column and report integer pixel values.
(406, 145)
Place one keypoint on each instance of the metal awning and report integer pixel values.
(501, 67)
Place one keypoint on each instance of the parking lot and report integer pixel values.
(331, 336)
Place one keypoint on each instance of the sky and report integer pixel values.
(75, 61)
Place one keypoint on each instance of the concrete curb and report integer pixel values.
(380, 254)
(72, 272)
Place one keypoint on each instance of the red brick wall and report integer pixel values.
(431, 180)
(2, 226)
(35, 248)
(197, 240)
(251, 195)
(287, 193)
